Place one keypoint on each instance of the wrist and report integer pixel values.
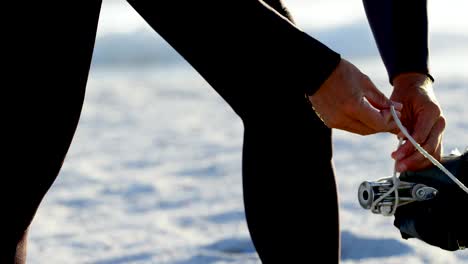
(412, 79)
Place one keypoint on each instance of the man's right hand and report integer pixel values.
(348, 100)
(422, 116)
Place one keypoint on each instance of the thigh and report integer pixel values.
(49, 53)
(289, 187)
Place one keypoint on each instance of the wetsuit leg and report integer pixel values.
(289, 187)
(48, 55)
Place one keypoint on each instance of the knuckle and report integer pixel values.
(430, 148)
(418, 138)
(366, 78)
(394, 130)
(408, 148)
(443, 122)
(437, 110)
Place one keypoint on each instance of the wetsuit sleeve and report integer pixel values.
(401, 32)
(228, 41)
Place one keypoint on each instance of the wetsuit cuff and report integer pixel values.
(422, 71)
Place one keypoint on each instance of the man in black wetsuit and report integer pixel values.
(264, 67)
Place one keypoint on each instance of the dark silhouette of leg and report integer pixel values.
(49, 55)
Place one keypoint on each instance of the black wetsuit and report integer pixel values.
(255, 59)
(400, 29)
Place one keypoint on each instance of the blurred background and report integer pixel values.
(154, 172)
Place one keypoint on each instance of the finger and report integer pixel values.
(401, 135)
(417, 161)
(403, 151)
(413, 162)
(387, 114)
(398, 106)
(375, 97)
(421, 132)
(357, 127)
(423, 126)
(372, 117)
(408, 149)
(393, 128)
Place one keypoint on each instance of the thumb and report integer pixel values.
(375, 97)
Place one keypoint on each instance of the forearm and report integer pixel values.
(400, 29)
